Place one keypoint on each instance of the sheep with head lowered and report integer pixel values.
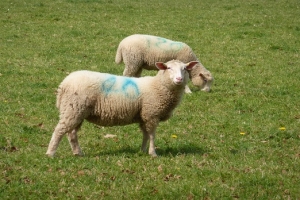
(109, 100)
(140, 52)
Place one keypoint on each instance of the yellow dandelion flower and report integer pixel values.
(282, 128)
(242, 133)
(174, 136)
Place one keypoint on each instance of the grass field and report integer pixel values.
(240, 141)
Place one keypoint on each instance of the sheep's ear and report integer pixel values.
(161, 65)
(190, 65)
(203, 77)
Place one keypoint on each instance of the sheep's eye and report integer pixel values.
(204, 79)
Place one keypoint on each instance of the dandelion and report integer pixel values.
(174, 136)
(282, 128)
(242, 133)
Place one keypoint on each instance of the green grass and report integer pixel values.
(252, 49)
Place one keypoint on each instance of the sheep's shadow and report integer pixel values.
(161, 152)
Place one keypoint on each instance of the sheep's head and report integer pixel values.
(207, 81)
(202, 78)
(177, 70)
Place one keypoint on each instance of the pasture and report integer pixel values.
(239, 141)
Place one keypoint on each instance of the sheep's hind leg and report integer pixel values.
(132, 71)
(65, 125)
(60, 130)
(73, 140)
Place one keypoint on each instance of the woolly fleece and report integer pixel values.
(140, 52)
(109, 100)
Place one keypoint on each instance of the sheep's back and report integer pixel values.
(163, 50)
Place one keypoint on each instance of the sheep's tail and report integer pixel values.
(59, 94)
(119, 57)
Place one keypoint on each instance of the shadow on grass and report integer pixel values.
(185, 149)
(162, 152)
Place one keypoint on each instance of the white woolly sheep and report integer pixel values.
(140, 52)
(109, 100)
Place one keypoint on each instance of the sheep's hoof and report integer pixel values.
(144, 150)
(188, 92)
(50, 155)
(153, 155)
(78, 154)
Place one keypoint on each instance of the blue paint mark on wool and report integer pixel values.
(122, 85)
(130, 88)
(164, 44)
(108, 84)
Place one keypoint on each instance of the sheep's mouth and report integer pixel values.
(205, 89)
(178, 82)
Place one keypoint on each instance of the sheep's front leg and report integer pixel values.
(149, 134)
(152, 145)
(73, 140)
(187, 90)
(145, 141)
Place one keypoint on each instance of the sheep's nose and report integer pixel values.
(178, 78)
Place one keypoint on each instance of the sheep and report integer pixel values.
(140, 52)
(111, 100)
